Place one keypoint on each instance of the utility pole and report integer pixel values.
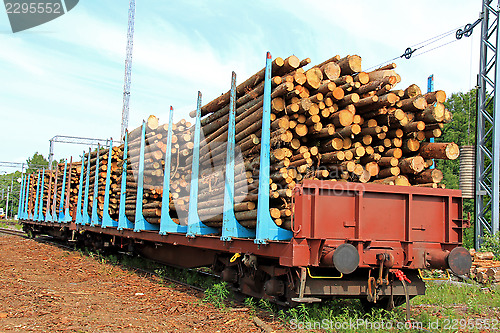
(7, 205)
(11, 188)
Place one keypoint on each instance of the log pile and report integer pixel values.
(50, 191)
(115, 180)
(331, 122)
(46, 188)
(154, 163)
(74, 168)
(52, 184)
(55, 186)
(484, 268)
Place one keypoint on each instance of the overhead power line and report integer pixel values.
(458, 32)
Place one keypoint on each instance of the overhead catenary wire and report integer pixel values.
(409, 52)
(436, 38)
(437, 47)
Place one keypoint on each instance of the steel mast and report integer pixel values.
(128, 68)
(487, 187)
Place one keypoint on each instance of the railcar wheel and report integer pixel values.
(383, 303)
(29, 232)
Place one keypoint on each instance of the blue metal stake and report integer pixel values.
(230, 226)
(35, 211)
(40, 212)
(140, 221)
(63, 191)
(21, 197)
(266, 228)
(95, 218)
(26, 195)
(430, 88)
(79, 217)
(107, 221)
(166, 222)
(195, 226)
(67, 216)
(123, 221)
(54, 199)
(48, 215)
(26, 199)
(86, 217)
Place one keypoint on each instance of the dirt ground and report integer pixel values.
(44, 288)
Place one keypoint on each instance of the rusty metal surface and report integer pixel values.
(403, 222)
(355, 287)
(459, 261)
(398, 220)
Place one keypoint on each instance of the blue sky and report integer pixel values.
(66, 77)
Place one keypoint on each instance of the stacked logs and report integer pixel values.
(115, 180)
(55, 190)
(484, 268)
(50, 182)
(248, 111)
(75, 170)
(46, 187)
(331, 122)
(52, 187)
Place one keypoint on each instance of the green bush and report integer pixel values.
(491, 243)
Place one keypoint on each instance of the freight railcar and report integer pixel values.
(343, 239)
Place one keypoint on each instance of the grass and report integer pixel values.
(164, 272)
(9, 223)
(443, 304)
(217, 294)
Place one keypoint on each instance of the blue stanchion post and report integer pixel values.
(140, 222)
(231, 228)
(166, 223)
(35, 211)
(95, 220)
(123, 221)
(430, 88)
(60, 216)
(85, 214)
(79, 216)
(40, 211)
(20, 202)
(48, 214)
(195, 226)
(107, 221)
(26, 199)
(54, 198)
(266, 228)
(67, 216)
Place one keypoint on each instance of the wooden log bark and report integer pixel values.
(438, 150)
(428, 176)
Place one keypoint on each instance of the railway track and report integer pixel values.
(9, 231)
(49, 240)
(55, 242)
